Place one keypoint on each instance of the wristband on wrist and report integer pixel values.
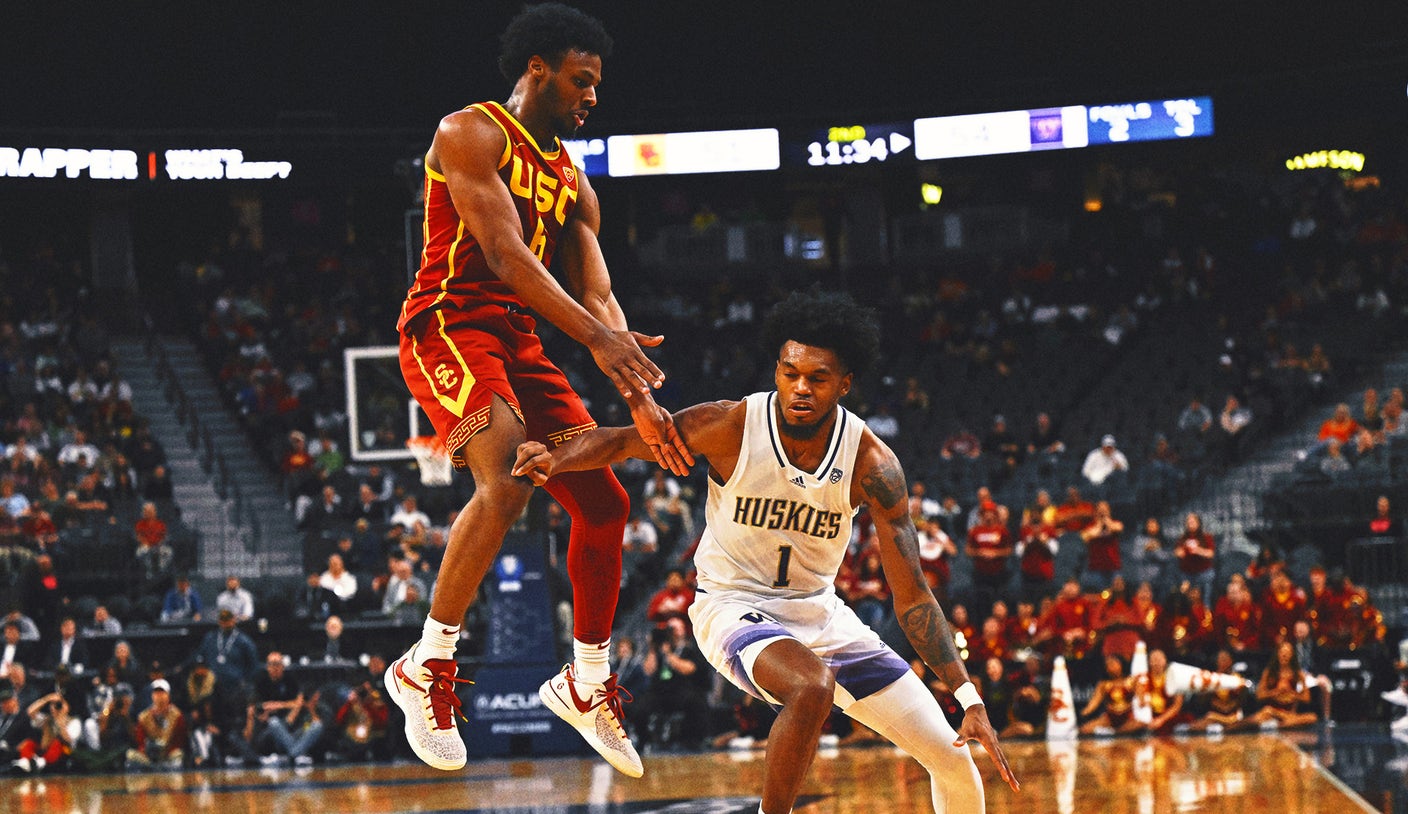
(967, 695)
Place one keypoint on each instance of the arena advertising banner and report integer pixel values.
(107, 164)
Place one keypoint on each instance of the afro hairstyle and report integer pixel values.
(825, 319)
(549, 30)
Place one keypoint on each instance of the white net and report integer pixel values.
(432, 459)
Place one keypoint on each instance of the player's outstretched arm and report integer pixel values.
(714, 429)
(467, 150)
(879, 483)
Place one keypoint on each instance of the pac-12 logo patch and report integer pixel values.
(570, 174)
(836, 476)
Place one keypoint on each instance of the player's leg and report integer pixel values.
(792, 674)
(422, 681)
(906, 713)
(584, 693)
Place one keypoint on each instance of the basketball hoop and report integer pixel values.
(432, 459)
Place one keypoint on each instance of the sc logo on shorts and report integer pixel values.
(447, 377)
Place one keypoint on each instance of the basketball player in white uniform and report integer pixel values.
(788, 471)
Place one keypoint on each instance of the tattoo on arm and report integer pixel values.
(885, 484)
(932, 638)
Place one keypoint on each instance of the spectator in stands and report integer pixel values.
(1233, 421)
(1149, 560)
(1341, 426)
(1311, 660)
(1102, 543)
(78, 455)
(1194, 428)
(327, 455)
(1075, 512)
(1103, 462)
(1383, 523)
(1070, 619)
(1370, 415)
(69, 650)
(672, 601)
(332, 650)
(323, 512)
(1267, 562)
(678, 685)
(864, 588)
(989, 546)
(1237, 619)
(299, 470)
(339, 580)
(103, 623)
(288, 723)
(128, 672)
(112, 733)
(1196, 553)
(412, 608)
(961, 443)
(1002, 448)
(1115, 621)
(15, 650)
(16, 730)
(640, 535)
(402, 578)
(161, 732)
(154, 555)
(315, 603)
(230, 653)
(936, 550)
(1045, 440)
(182, 603)
(1036, 560)
(52, 736)
(12, 501)
(368, 506)
(408, 514)
(236, 600)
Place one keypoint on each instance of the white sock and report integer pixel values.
(437, 641)
(591, 662)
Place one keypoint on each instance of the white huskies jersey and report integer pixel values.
(774, 529)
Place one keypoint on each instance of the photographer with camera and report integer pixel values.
(53, 735)
(15, 729)
(676, 710)
(112, 729)
(362, 724)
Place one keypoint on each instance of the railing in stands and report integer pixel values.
(237, 510)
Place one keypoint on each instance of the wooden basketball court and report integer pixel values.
(1235, 774)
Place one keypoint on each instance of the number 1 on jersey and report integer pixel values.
(784, 559)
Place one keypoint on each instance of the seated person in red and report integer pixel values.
(1187, 625)
(1036, 561)
(1115, 624)
(1113, 700)
(1282, 606)
(963, 631)
(1030, 698)
(991, 644)
(1341, 426)
(1075, 513)
(1071, 626)
(1324, 608)
(936, 550)
(1237, 619)
(1025, 633)
(864, 588)
(672, 601)
(1148, 614)
(1363, 622)
(1383, 523)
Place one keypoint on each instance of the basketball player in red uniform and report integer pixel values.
(502, 199)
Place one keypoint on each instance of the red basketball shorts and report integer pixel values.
(455, 362)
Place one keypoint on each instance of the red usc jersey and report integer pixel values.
(453, 272)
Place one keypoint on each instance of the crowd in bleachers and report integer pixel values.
(1049, 410)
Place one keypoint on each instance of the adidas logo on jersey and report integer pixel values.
(798, 481)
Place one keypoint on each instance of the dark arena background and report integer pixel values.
(1181, 229)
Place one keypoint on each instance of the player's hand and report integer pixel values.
(534, 461)
(976, 727)
(619, 355)
(657, 429)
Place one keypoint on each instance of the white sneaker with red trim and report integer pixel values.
(594, 710)
(426, 695)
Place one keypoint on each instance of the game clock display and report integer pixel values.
(851, 144)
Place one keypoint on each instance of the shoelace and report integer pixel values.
(444, 703)
(613, 702)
